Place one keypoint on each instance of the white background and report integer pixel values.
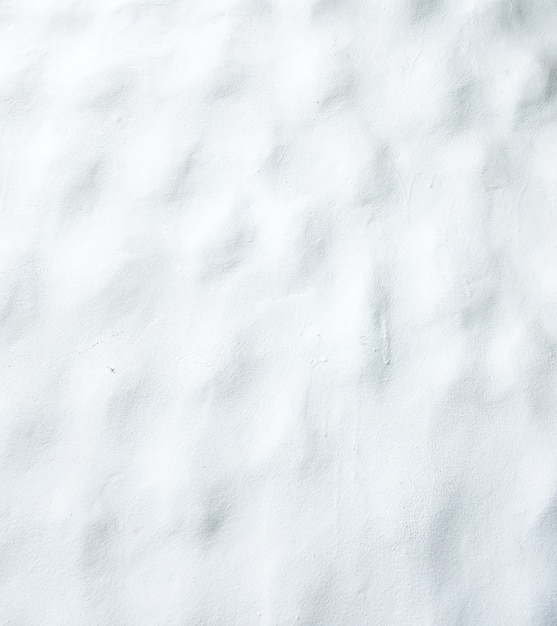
(278, 288)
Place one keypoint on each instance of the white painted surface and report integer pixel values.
(278, 312)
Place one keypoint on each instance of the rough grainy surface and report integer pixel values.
(278, 312)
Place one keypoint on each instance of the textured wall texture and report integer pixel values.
(278, 312)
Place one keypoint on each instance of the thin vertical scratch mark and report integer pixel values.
(401, 185)
(519, 203)
(386, 348)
